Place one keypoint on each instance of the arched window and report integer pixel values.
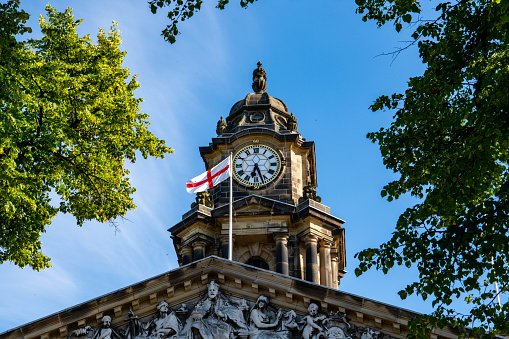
(257, 262)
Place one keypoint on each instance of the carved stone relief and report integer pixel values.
(309, 192)
(221, 127)
(292, 123)
(219, 316)
(203, 198)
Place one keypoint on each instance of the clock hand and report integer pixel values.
(254, 170)
(259, 173)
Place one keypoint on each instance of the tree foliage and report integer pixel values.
(69, 120)
(449, 142)
(181, 10)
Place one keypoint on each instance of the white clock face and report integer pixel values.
(256, 166)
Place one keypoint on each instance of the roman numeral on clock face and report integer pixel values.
(256, 166)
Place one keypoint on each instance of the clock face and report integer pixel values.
(256, 165)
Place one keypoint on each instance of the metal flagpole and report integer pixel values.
(230, 228)
(496, 289)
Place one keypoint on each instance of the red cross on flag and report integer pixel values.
(211, 178)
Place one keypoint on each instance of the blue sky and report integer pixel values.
(320, 60)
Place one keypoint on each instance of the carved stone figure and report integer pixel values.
(102, 332)
(314, 327)
(337, 326)
(369, 334)
(262, 321)
(165, 324)
(259, 79)
(292, 123)
(134, 326)
(203, 198)
(289, 324)
(335, 333)
(221, 127)
(214, 317)
(309, 192)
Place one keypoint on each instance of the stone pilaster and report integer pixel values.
(281, 253)
(224, 246)
(325, 264)
(311, 259)
(334, 266)
(297, 267)
(187, 255)
(198, 250)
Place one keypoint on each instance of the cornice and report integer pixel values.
(229, 138)
(239, 280)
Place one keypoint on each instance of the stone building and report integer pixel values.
(288, 253)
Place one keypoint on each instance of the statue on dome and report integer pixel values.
(259, 79)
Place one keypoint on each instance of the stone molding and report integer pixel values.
(188, 284)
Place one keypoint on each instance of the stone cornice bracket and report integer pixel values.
(325, 243)
(281, 236)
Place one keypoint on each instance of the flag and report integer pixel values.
(210, 178)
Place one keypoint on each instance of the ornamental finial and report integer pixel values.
(259, 79)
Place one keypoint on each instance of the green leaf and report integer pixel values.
(69, 122)
(448, 144)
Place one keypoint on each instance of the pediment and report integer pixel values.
(255, 204)
(194, 313)
(253, 208)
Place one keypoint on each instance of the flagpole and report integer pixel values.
(230, 228)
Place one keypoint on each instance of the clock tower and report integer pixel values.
(279, 222)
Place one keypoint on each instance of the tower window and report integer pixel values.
(257, 262)
(257, 117)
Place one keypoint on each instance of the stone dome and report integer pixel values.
(258, 109)
(259, 101)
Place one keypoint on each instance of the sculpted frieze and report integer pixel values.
(219, 316)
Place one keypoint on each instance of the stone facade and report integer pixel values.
(281, 225)
(179, 304)
(299, 167)
(303, 241)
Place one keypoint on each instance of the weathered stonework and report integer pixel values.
(186, 292)
(280, 224)
(258, 224)
(298, 169)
